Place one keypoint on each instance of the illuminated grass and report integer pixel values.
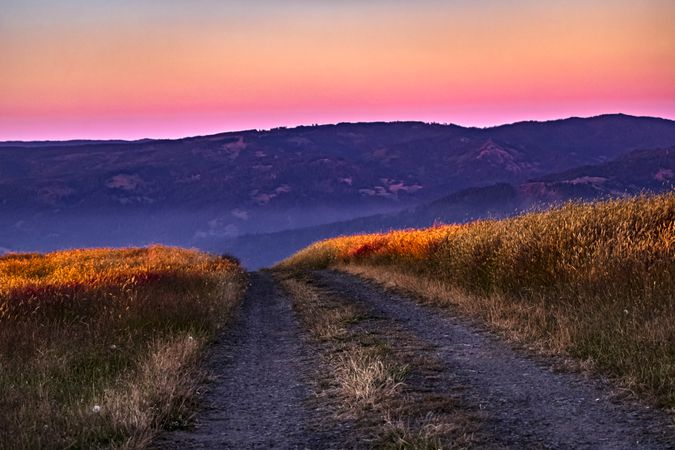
(99, 348)
(595, 281)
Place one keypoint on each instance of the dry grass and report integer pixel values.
(595, 281)
(362, 369)
(366, 376)
(364, 372)
(367, 365)
(99, 348)
(401, 434)
(325, 321)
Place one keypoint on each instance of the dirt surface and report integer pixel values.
(527, 404)
(266, 371)
(420, 409)
(260, 397)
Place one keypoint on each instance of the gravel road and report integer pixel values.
(527, 404)
(260, 396)
(265, 364)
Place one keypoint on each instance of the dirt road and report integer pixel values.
(527, 404)
(259, 398)
(262, 396)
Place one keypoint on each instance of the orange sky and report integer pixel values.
(130, 69)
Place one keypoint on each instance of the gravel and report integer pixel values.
(260, 397)
(527, 403)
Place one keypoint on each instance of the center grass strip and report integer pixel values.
(385, 380)
(101, 348)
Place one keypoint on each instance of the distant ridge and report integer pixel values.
(204, 191)
(303, 127)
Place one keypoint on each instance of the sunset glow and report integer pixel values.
(132, 69)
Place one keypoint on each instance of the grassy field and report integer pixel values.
(592, 281)
(100, 348)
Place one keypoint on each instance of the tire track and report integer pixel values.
(260, 396)
(528, 405)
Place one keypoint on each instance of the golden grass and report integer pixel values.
(595, 281)
(367, 364)
(100, 347)
(366, 376)
(402, 435)
(325, 322)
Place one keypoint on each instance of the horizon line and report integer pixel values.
(326, 124)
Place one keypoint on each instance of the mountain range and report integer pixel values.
(256, 193)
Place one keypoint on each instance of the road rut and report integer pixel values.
(528, 405)
(260, 396)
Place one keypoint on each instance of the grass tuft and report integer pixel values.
(366, 376)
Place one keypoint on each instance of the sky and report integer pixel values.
(128, 69)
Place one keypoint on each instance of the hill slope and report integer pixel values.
(630, 174)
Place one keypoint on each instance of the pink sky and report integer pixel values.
(145, 69)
